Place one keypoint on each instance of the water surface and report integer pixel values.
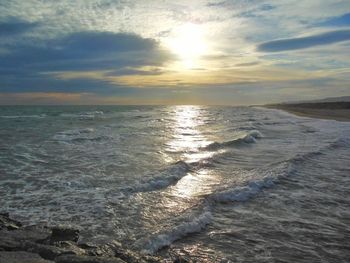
(221, 184)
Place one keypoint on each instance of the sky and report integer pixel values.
(236, 52)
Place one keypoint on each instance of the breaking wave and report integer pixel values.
(164, 238)
(248, 191)
(270, 175)
(162, 179)
(247, 138)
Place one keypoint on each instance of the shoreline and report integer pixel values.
(339, 111)
(43, 244)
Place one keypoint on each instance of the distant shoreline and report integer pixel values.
(339, 111)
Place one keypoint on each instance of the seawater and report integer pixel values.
(219, 184)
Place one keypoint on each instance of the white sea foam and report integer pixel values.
(83, 115)
(22, 116)
(79, 135)
(242, 193)
(194, 224)
(249, 137)
(162, 179)
(267, 177)
(78, 131)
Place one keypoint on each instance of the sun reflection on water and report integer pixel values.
(189, 141)
(183, 199)
(187, 137)
(195, 185)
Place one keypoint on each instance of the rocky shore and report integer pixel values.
(42, 244)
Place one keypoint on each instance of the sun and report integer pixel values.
(188, 43)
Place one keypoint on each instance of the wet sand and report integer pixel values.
(339, 111)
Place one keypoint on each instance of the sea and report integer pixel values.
(210, 183)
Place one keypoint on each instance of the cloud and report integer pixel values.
(87, 50)
(132, 71)
(338, 21)
(305, 42)
(106, 42)
(248, 64)
(14, 26)
(23, 66)
(36, 98)
(75, 47)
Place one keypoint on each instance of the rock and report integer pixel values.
(70, 248)
(87, 245)
(86, 259)
(21, 257)
(45, 251)
(64, 234)
(124, 254)
(51, 252)
(16, 239)
(7, 223)
(11, 227)
(180, 259)
(8, 243)
(132, 257)
(115, 249)
(40, 244)
(152, 259)
(102, 250)
(9, 240)
(5, 214)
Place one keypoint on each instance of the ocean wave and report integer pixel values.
(242, 193)
(247, 138)
(88, 115)
(303, 157)
(270, 175)
(78, 131)
(340, 142)
(23, 116)
(79, 135)
(308, 129)
(162, 179)
(164, 238)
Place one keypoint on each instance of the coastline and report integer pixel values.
(43, 244)
(339, 111)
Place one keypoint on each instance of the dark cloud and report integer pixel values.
(105, 42)
(305, 42)
(343, 20)
(13, 26)
(32, 82)
(22, 67)
(87, 51)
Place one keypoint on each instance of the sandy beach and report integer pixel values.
(339, 111)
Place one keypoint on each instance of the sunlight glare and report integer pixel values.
(188, 43)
